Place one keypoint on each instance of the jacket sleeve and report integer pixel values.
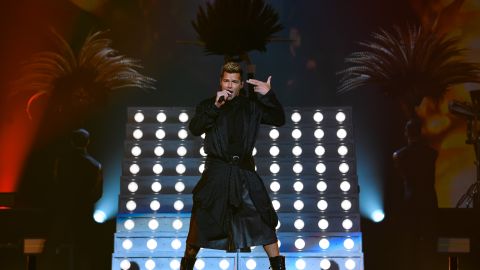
(204, 119)
(273, 113)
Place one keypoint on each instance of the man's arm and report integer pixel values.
(204, 118)
(273, 113)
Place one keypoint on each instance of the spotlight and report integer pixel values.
(274, 151)
(297, 150)
(340, 116)
(161, 117)
(136, 151)
(322, 186)
(251, 264)
(378, 215)
(132, 187)
(150, 264)
(347, 224)
(153, 224)
(156, 187)
(134, 168)
(138, 117)
(131, 205)
(99, 216)
(151, 244)
(274, 134)
(183, 117)
(296, 117)
(323, 224)
(320, 150)
(154, 205)
(129, 224)
(300, 243)
(325, 264)
(182, 134)
(137, 134)
(157, 168)
(341, 133)
(176, 244)
(177, 224)
(224, 264)
(348, 243)
(319, 133)
(159, 151)
(318, 117)
(324, 243)
(127, 244)
(160, 134)
(125, 264)
(296, 134)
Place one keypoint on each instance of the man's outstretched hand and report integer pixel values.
(261, 87)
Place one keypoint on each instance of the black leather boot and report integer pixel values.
(187, 263)
(277, 263)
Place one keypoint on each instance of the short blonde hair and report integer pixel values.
(232, 67)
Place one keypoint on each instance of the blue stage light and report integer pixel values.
(378, 215)
(99, 216)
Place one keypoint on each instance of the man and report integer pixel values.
(231, 206)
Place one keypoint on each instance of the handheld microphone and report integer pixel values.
(221, 99)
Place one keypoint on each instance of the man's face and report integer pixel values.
(231, 82)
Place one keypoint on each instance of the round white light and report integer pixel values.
(296, 117)
(202, 136)
(319, 150)
(176, 244)
(157, 168)
(323, 224)
(275, 186)
(132, 187)
(254, 151)
(178, 205)
(177, 224)
(322, 205)
(346, 205)
(297, 168)
(180, 168)
(341, 133)
(154, 205)
(151, 244)
(343, 167)
(201, 168)
(131, 205)
(274, 134)
(278, 226)
(274, 168)
(276, 204)
(342, 150)
(153, 224)
(378, 215)
(321, 186)
(99, 216)
(296, 134)
(300, 264)
(320, 168)
(134, 168)
(340, 116)
(224, 264)
(150, 264)
(183, 117)
(181, 151)
(324, 243)
(179, 186)
(137, 134)
(345, 186)
(319, 133)
(318, 117)
(174, 264)
(347, 224)
(159, 151)
(299, 224)
(182, 134)
(129, 224)
(127, 244)
(156, 187)
(274, 151)
(251, 264)
(136, 151)
(160, 134)
(202, 152)
(299, 243)
(161, 117)
(325, 264)
(199, 264)
(125, 264)
(298, 186)
(298, 205)
(348, 243)
(297, 150)
(350, 264)
(139, 117)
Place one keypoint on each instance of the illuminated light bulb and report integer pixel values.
(347, 224)
(159, 151)
(319, 150)
(296, 134)
(156, 187)
(341, 133)
(319, 133)
(151, 244)
(298, 186)
(274, 134)
(181, 151)
(179, 186)
(318, 117)
(134, 168)
(180, 168)
(322, 186)
(139, 117)
(136, 151)
(322, 205)
(160, 134)
(157, 168)
(340, 116)
(177, 224)
(299, 243)
(183, 117)
(348, 243)
(153, 224)
(127, 244)
(154, 205)
(129, 224)
(325, 264)
(274, 151)
(298, 205)
(275, 186)
(323, 224)
(345, 186)
(296, 117)
(132, 187)
(324, 243)
(137, 134)
(161, 117)
(182, 134)
(342, 150)
(131, 205)
(320, 168)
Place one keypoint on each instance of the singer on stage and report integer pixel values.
(231, 206)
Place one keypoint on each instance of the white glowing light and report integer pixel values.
(176, 244)
(318, 117)
(136, 151)
(177, 224)
(159, 151)
(153, 224)
(322, 205)
(201, 168)
(157, 168)
(320, 168)
(274, 134)
(183, 117)
(300, 243)
(179, 186)
(132, 187)
(378, 215)
(341, 133)
(319, 133)
(298, 205)
(161, 117)
(325, 264)
(297, 150)
(156, 187)
(137, 134)
(300, 264)
(127, 244)
(299, 224)
(275, 186)
(251, 264)
(178, 205)
(160, 134)
(347, 224)
(134, 168)
(340, 116)
(296, 134)
(274, 151)
(323, 224)
(278, 225)
(154, 205)
(346, 205)
(182, 134)
(131, 205)
(350, 264)
(139, 117)
(180, 168)
(296, 117)
(125, 265)
(297, 168)
(224, 264)
(199, 264)
(174, 264)
(274, 168)
(202, 152)
(322, 186)
(151, 244)
(348, 243)
(342, 150)
(150, 264)
(203, 136)
(343, 168)
(254, 151)
(324, 243)
(99, 216)
(298, 186)
(345, 186)
(276, 204)
(129, 224)
(181, 151)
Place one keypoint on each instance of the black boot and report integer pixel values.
(187, 263)
(277, 263)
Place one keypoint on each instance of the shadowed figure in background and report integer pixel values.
(415, 165)
(78, 181)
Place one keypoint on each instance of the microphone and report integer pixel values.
(221, 99)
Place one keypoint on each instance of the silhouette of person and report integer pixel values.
(415, 164)
(78, 181)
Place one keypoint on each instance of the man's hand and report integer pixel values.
(225, 94)
(261, 87)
